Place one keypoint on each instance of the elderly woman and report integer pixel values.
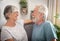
(43, 30)
(13, 30)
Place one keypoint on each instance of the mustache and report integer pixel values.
(35, 19)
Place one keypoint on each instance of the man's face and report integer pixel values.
(37, 16)
(34, 17)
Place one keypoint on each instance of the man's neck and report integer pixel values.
(40, 22)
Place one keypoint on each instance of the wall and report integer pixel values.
(31, 5)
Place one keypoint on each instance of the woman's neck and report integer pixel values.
(10, 23)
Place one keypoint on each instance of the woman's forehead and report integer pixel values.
(15, 10)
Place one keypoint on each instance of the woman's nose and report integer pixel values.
(17, 14)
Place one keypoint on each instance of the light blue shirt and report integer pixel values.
(44, 32)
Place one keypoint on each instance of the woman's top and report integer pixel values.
(17, 32)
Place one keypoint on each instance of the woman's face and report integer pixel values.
(13, 15)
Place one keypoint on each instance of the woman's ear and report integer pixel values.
(7, 15)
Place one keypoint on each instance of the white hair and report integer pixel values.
(43, 9)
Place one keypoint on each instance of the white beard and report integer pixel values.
(35, 20)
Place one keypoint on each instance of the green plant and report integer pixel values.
(58, 32)
(23, 3)
(57, 16)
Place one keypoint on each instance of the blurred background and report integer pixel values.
(53, 7)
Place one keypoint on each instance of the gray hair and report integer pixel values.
(43, 9)
(8, 9)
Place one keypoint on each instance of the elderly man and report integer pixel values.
(43, 30)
